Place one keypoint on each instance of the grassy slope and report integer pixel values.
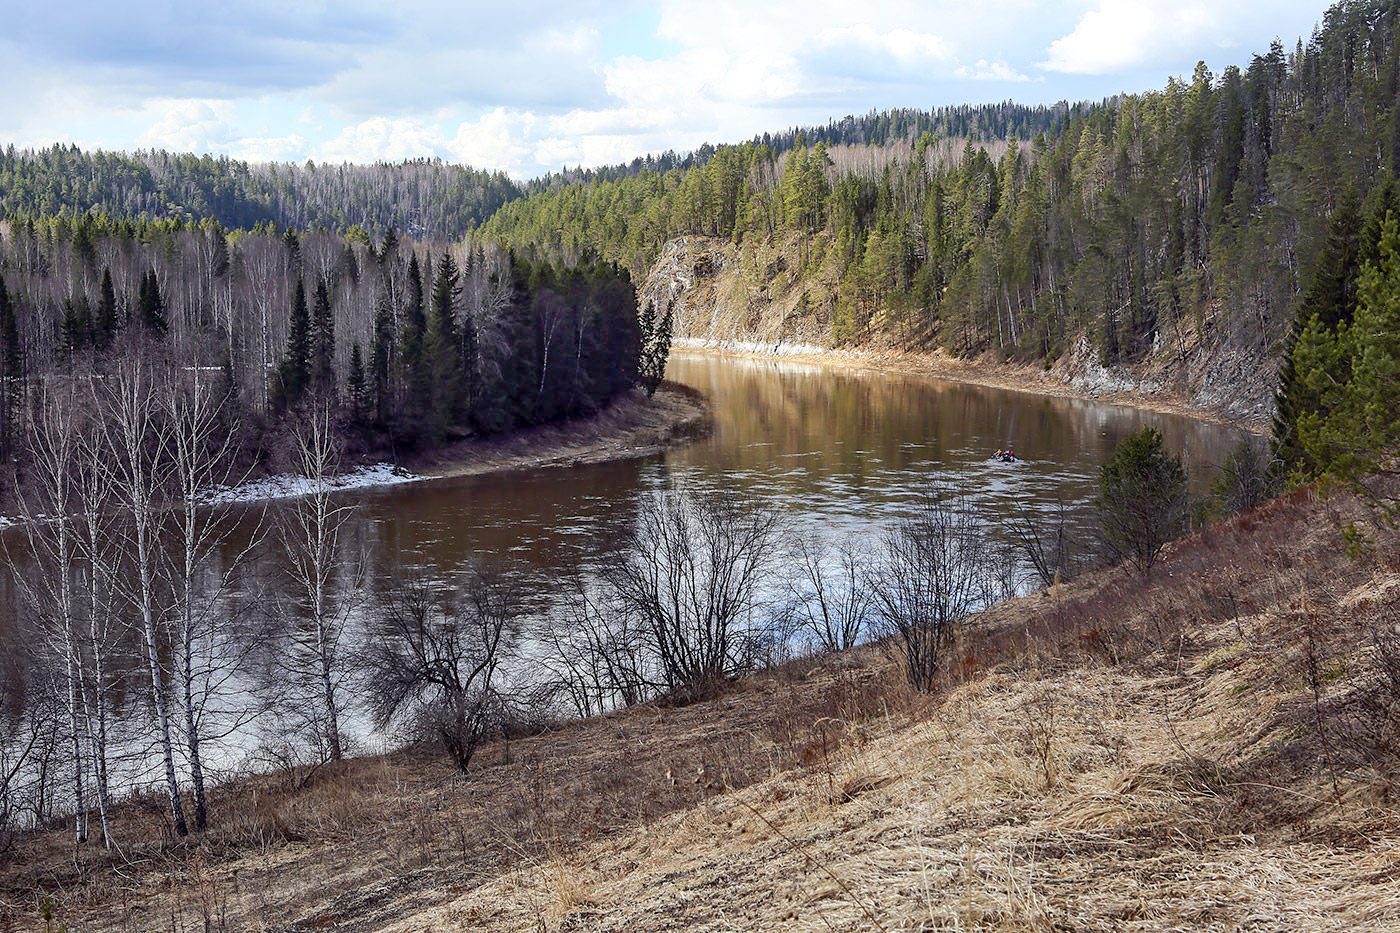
(1215, 748)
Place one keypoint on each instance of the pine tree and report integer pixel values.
(294, 373)
(150, 305)
(104, 325)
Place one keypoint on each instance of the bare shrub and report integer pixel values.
(597, 655)
(935, 568)
(692, 572)
(1047, 540)
(434, 658)
(830, 605)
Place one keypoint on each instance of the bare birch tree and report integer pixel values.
(201, 448)
(48, 523)
(98, 541)
(139, 440)
(309, 531)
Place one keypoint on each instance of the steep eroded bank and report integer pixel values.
(756, 300)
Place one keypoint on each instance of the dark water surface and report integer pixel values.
(838, 451)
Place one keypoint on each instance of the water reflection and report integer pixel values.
(837, 450)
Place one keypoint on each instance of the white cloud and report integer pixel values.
(906, 46)
(382, 139)
(192, 125)
(1122, 34)
(498, 140)
(532, 85)
(288, 148)
(990, 71)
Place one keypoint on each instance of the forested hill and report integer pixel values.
(420, 198)
(1140, 224)
(1193, 215)
(986, 123)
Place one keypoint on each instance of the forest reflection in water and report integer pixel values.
(837, 452)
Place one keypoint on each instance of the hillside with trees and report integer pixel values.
(421, 198)
(1198, 212)
(408, 344)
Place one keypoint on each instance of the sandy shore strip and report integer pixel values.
(633, 426)
(981, 372)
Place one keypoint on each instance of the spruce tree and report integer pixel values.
(414, 366)
(381, 362)
(357, 386)
(12, 387)
(104, 325)
(442, 349)
(655, 347)
(1144, 500)
(150, 305)
(76, 327)
(294, 373)
(323, 341)
(1328, 304)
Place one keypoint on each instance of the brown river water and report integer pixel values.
(840, 452)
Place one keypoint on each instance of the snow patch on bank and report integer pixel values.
(294, 486)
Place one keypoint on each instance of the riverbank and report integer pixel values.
(1056, 382)
(633, 426)
(1209, 748)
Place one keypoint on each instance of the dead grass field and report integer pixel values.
(1214, 748)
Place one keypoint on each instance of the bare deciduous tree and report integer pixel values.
(47, 507)
(598, 655)
(935, 569)
(1046, 539)
(435, 655)
(829, 600)
(206, 655)
(692, 573)
(138, 438)
(310, 535)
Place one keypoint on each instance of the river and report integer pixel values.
(839, 452)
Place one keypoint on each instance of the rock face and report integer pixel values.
(752, 301)
(756, 300)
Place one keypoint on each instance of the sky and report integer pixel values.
(528, 87)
